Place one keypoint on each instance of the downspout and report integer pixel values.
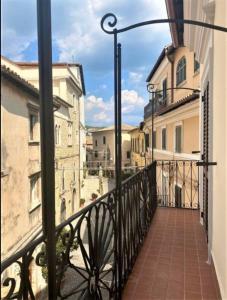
(169, 51)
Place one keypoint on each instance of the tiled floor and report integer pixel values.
(172, 263)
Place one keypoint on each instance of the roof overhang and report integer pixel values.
(175, 10)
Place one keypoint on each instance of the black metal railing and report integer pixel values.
(178, 183)
(87, 247)
(158, 104)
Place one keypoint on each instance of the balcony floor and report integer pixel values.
(172, 262)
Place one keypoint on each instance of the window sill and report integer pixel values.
(4, 173)
(181, 84)
(33, 143)
(196, 73)
(35, 206)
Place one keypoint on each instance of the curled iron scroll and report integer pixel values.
(111, 23)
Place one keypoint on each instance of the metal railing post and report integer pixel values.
(47, 138)
(119, 166)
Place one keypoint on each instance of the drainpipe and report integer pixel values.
(170, 57)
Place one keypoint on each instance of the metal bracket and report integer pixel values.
(206, 164)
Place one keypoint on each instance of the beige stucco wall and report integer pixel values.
(211, 50)
(19, 161)
(187, 115)
(219, 143)
(192, 79)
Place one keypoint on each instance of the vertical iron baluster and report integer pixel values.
(116, 159)
(119, 161)
(176, 166)
(184, 185)
(191, 184)
(198, 186)
(170, 196)
(162, 184)
(47, 138)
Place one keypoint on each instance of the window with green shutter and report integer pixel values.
(154, 139)
(164, 139)
(178, 139)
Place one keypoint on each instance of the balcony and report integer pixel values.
(159, 104)
(148, 246)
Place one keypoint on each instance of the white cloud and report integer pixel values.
(100, 112)
(135, 77)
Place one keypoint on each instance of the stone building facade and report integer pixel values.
(70, 152)
(20, 163)
(103, 152)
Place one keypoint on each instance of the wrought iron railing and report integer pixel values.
(87, 247)
(178, 183)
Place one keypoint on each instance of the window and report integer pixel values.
(178, 196)
(104, 140)
(63, 179)
(33, 120)
(142, 141)
(96, 154)
(164, 88)
(128, 154)
(147, 137)
(164, 139)
(57, 134)
(96, 143)
(178, 139)
(154, 139)
(63, 210)
(35, 190)
(181, 71)
(70, 126)
(75, 102)
(196, 64)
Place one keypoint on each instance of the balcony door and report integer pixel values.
(178, 196)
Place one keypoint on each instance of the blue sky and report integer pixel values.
(77, 37)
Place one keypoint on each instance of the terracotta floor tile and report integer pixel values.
(192, 296)
(172, 264)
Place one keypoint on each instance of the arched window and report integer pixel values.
(181, 70)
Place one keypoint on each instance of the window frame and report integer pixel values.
(35, 181)
(196, 65)
(164, 148)
(70, 133)
(181, 75)
(154, 135)
(178, 125)
(164, 88)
